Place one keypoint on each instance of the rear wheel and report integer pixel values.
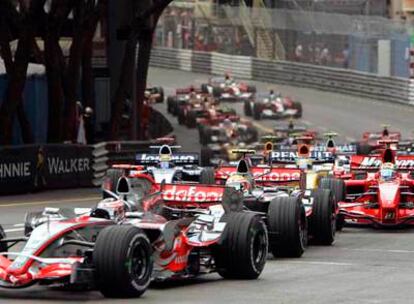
(247, 108)
(171, 105)
(363, 149)
(288, 234)
(123, 262)
(207, 176)
(322, 222)
(257, 111)
(206, 156)
(217, 92)
(298, 107)
(191, 119)
(243, 250)
(30, 221)
(181, 116)
(3, 247)
(160, 91)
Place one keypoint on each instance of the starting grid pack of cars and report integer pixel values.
(174, 215)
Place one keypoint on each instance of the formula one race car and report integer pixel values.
(272, 106)
(289, 132)
(185, 96)
(145, 232)
(379, 190)
(162, 166)
(374, 140)
(155, 94)
(205, 114)
(227, 89)
(279, 193)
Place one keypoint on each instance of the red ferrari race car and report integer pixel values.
(375, 140)
(184, 96)
(272, 105)
(227, 89)
(144, 232)
(205, 114)
(379, 190)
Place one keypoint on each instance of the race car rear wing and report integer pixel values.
(373, 162)
(192, 194)
(179, 158)
(263, 174)
(290, 156)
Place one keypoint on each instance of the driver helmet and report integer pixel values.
(238, 182)
(227, 76)
(165, 161)
(387, 171)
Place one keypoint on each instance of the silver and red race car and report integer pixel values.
(271, 105)
(228, 89)
(145, 232)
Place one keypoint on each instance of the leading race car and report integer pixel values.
(379, 190)
(272, 105)
(144, 232)
(227, 89)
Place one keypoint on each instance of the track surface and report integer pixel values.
(363, 266)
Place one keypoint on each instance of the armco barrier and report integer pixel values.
(391, 89)
(37, 167)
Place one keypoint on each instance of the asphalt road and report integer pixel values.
(363, 266)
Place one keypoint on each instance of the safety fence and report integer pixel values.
(391, 89)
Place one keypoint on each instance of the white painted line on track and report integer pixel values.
(13, 230)
(51, 202)
(18, 225)
(381, 250)
(321, 263)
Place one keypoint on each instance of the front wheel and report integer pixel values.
(123, 262)
(322, 222)
(243, 251)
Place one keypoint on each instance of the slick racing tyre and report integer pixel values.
(171, 104)
(3, 247)
(322, 222)
(123, 262)
(298, 107)
(181, 116)
(288, 235)
(247, 108)
(243, 249)
(205, 156)
(207, 176)
(217, 92)
(257, 111)
(251, 89)
(110, 181)
(160, 91)
(204, 88)
(363, 149)
(191, 119)
(205, 135)
(337, 187)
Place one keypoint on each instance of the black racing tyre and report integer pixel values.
(337, 187)
(3, 247)
(170, 104)
(160, 91)
(111, 181)
(363, 149)
(257, 111)
(205, 156)
(217, 92)
(181, 116)
(243, 249)
(288, 235)
(340, 222)
(322, 222)
(123, 261)
(200, 133)
(204, 88)
(251, 89)
(29, 221)
(207, 176)
(191, 121)
(205, 135)
(298, 106)
(248, 108)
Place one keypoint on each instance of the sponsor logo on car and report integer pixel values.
(374, 162)
(192, 194)
(182, 158)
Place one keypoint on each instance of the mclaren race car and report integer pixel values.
(143, 232)
(227, 89)
(272, 106)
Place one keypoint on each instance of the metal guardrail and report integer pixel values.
(391, 89)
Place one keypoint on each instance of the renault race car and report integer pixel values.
(379, 190)
(280, 193)
(163, 165)
(227, 89)
(271, 105)
(139, 235)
